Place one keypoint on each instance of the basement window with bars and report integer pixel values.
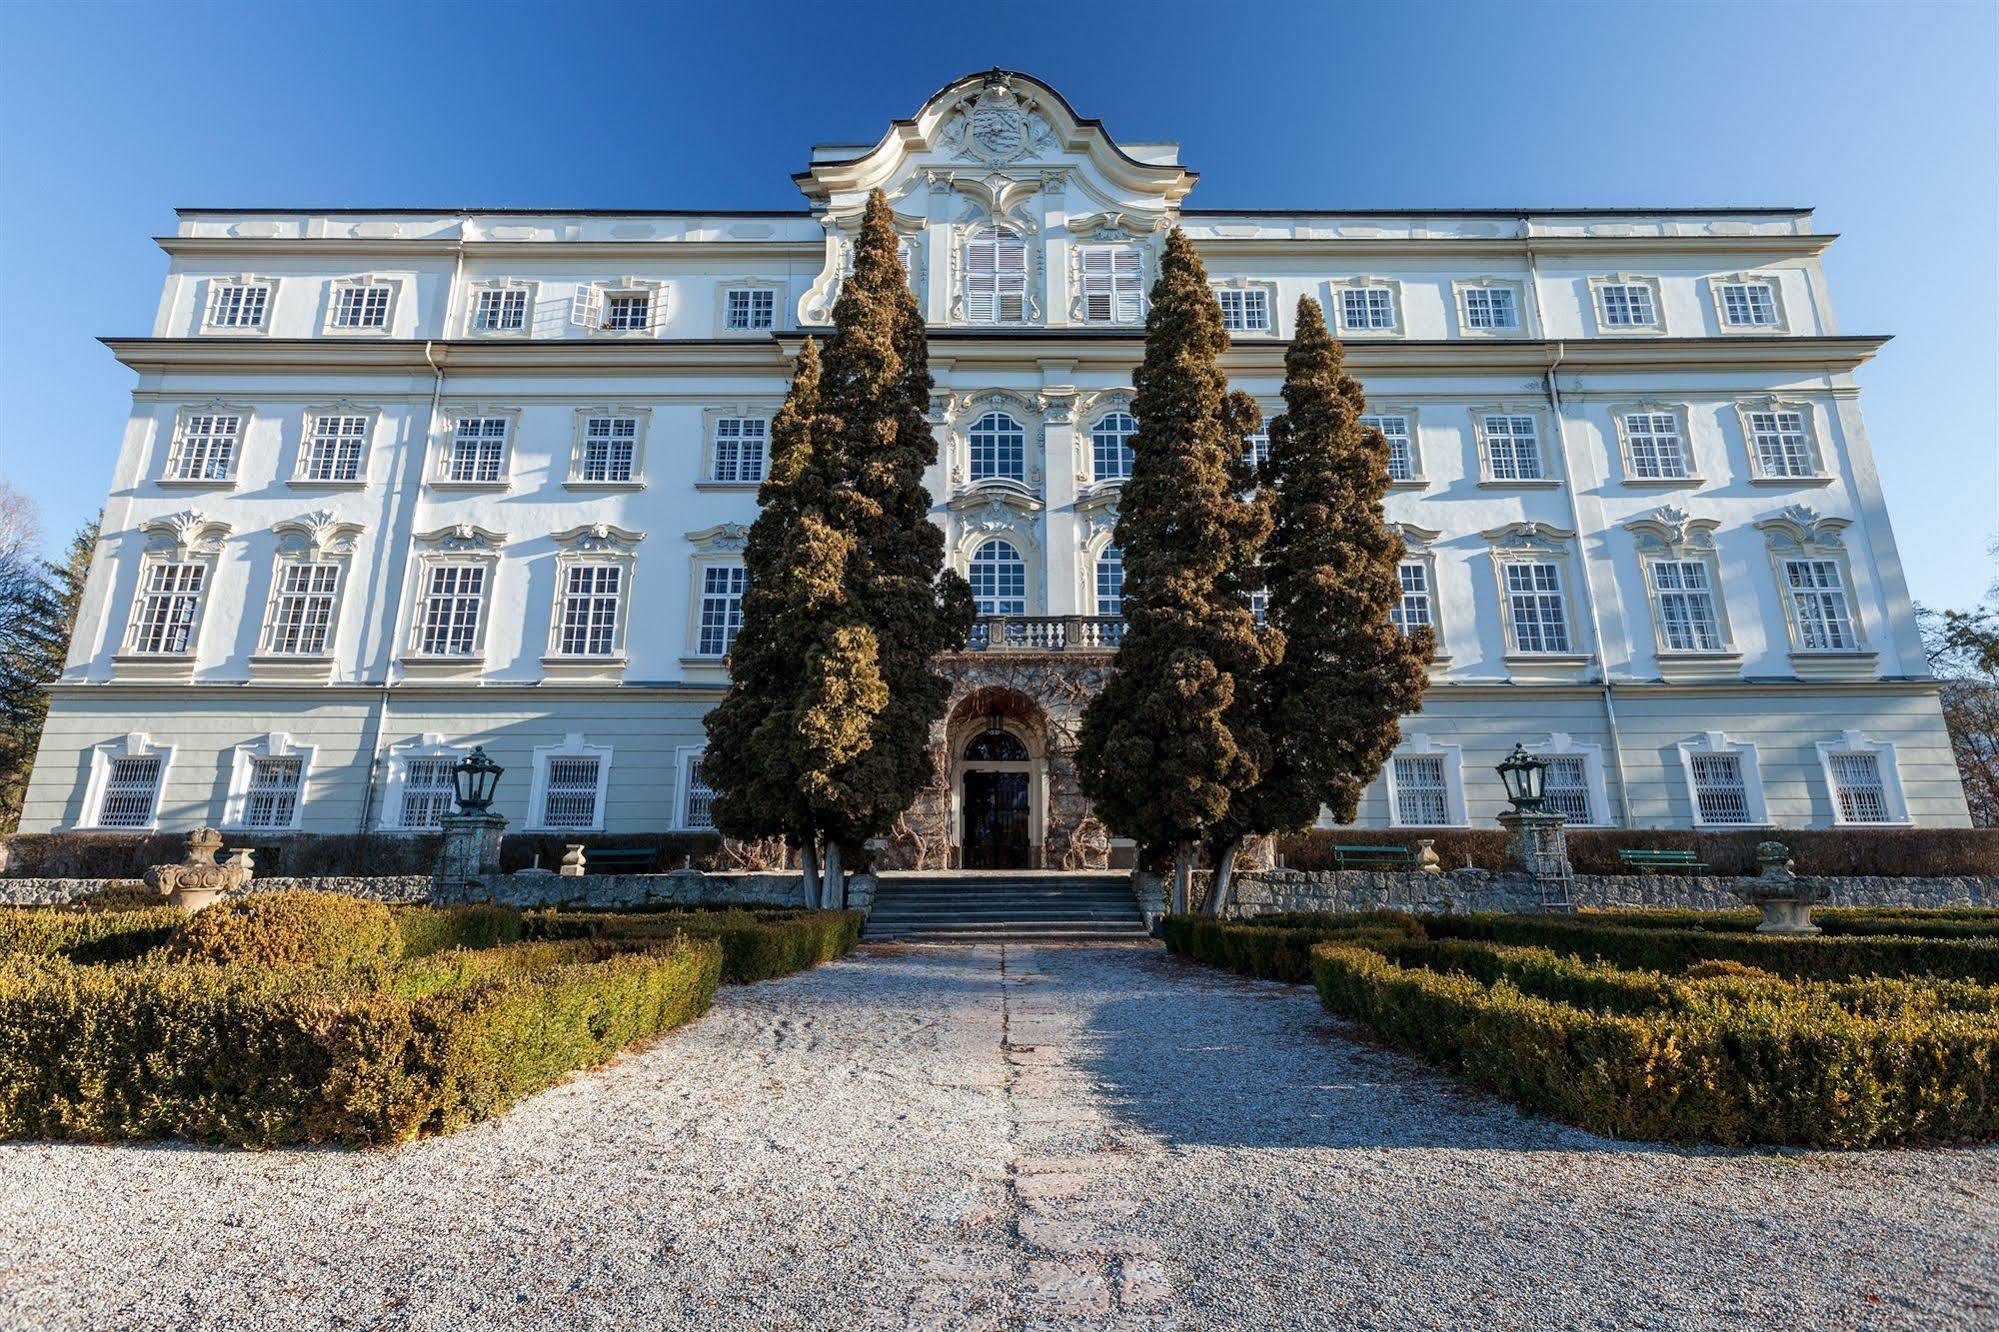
(427, 792)
(1857, 788)
(698, 810)
(1113, 284)
(1720, 793)
(570, 791)
(275, 787)
(131, 792)
(995, 278)
(1422, 791)
(1567, 787)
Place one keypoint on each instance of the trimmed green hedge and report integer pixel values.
(258, 1056)
(86, 936)
(1729, 1057)
(1889, 852)
(288, 929)
(421, 931)
(756, 945)
(1277, 947)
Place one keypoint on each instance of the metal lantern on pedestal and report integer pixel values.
(474, 778)
(1526, 779)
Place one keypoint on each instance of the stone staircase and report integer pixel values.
(1004, 906)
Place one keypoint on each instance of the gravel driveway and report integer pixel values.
(1020, 1137)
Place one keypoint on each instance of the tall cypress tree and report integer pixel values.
(1331, 701)
(1170, 736)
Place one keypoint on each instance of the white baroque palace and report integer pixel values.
(400, 481)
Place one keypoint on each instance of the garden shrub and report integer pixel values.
(421, 931)
(756, 945)
(1278, 947)
(289, 929)
(86, 936)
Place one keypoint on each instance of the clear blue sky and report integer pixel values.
(1882, 117)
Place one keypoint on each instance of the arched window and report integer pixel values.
(996, 747)
(1110, 438)
(999, 448)
(999, 579)
(995, 277)
(1110, 581)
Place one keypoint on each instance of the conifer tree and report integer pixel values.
(1331, 701)
(1170, 736)
(38, 605)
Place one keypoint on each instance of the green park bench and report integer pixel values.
(1374, 857)
(1663, 862)
(619, 860)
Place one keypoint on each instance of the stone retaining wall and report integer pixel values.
(599, 891)
(56, 892)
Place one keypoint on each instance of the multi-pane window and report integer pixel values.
(1245, 309)
(610, 448)
(700, 811)
(741, 443)
(1113, 284)
(205, 446)
(628, 311)
(591, 596)
(1367, 309)
(1110, 581)
(1627, 305)
(1490, 308)
(1259, 607)
(1684, 590)
(1566, 787)
(1512, 448)
(1819, 607)
(995, 278)
(1781, 444)
(1720, 793)
(131, 790)
(361, 307)
(238, 305)
(500, 310)
(427, 791)
(1401, 445)
(1413, 610)
(1653, 441)
(999, 579)
(998, 447)
(1535, 606)
(454, 599)
(168, 609)
(271, 800)
(1256, 446)
(745, 309)
(569, 795)
(1857, 788)
(721, 609)
(1110, 445)
(302, 610)
(478, 449)
(1748, 305)
(1422, 791)
(334, 447)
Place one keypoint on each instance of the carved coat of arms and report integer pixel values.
(997, 127)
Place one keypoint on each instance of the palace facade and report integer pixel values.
(400, 481)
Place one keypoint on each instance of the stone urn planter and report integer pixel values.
(198, 880)
(1785, 900)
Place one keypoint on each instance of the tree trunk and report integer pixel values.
(808, 863)
(1224, 885)
(836, 881)
(1183, 876)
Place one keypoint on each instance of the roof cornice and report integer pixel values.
(1551, 246)
(355, 247)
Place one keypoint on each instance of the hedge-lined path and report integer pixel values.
(1000, 1138)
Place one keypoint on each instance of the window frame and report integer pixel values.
(212, 289)
(1098, 560)
(97, 788)
(1026, 597)
(1096, 474)
(1756, 809)
(579, 447)
(1122, 309)
(727, 288)
(1560, 744)
(1620, 422)
(462, 546)
(1451, 759)
(590, 307)
(164, 560)
(1798, 534)
(967, 297)
(1419, 546)
(1244, 289)
(329, 325)
(431, 745)
(477, 290)
(343, 410)
(453, 416)
(1348, 331)
(1887, 767)
(317, 541)
(174, 456)
(1418, 478)
(1018, 427)
(573, 746)
(277, 746)
(593, 545)
(1747, 409)
(1599, 288)
(712, 421)
(1539, 544)
(1546, 476)
(1461, 290)
(1717, 285)
(686, 762)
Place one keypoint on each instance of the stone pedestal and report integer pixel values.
(1537, 846)
(198, 880)
(572, 861)
(1785, 900)
(468, 851)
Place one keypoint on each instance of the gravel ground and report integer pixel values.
(988, 1138)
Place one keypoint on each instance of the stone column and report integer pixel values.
(1537, 846)
(468, 853)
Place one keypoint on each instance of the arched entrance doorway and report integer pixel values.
(995, 801)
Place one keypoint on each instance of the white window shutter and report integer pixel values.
(1012, 265)
(1129, 282)
(1098, 284)
(584, 310)
(982, 278)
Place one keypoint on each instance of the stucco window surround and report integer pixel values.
(179, 562)
(815, 307)
(1781, 437)
(602, 309)
(1419, 549)
(984, 514)
(714, 548)
(1565, 748)
(336, 446)
(1110, 275)
(1621, 303)
(1514, 447)
(1423, 779)
(1103, 445)
(268, 778)
(243, 306)
(1676, 552)
(454, 577)
(1655, 444)
(691, 795)
(501, 309)
(965, 417)
(309, 577)
(1821, 604)
(591, 613)
(727, 450)
(607, 451)
(205, 449)
(354, 309)
(475, 451)
(1398, 422)
(1490, 307)
(757, 313)
(127, 778)
(1863, 781)
(1252, 322)
(413, 806)
(999, 274)
(1360, 317)
(1724, 782)
(1720, 302)
(569, 786)
(1535, 578)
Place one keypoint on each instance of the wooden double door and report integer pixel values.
(996, 810)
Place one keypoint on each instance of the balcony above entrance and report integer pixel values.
(1046, 633)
